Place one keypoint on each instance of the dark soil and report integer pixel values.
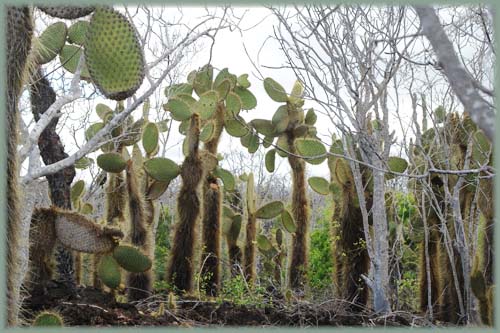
(92, 307)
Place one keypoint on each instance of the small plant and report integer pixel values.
(237, 291)
(48, 318)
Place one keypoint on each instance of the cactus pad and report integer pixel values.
(263, 126)
(111, 162)
(207, 104)
(223, 89)
(226, 177)
(264, 243)
(236, 127)
(233, 104)
(311, 117)
(51, 42)
(179, 108)
(275, 90)
(248, 100)
(70, 57)
(270, 160)
(84, 163)
(48, 318)
(288, 221)
(103, 111)
(87, 208)
(66, 12)
(270, 210)
(150, 137)
(311, 148)
(79, 233)
(396, 164)
(77, 190)
(77, 32)
(280, 119)
(203, 79)
(320, 185)
(207, 132)
(156, 189)
(109, 272)
(113, 54)
(279, 237)
(161, 169)
(176, 89)
(235, 228)
(131, 259)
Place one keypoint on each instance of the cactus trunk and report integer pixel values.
(250, 249)
(300, 211)
(19, 34)
(180, 270)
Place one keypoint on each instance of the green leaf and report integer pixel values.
(92, 130)
(77, 190)
(264, 243)
(84, 163)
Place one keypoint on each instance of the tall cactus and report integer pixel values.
(180, 269)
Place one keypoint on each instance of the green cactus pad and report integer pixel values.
(264, 243)
(203, 80)
(179, 109)
(297, 94)
(253, 143)
(156, 189)
(320, 185)
(223, 89)
(236, 127)
(270, 210)
(224, 75)
(207, 132)
(226, 177)
(51, 42)
(111, 162)
(270, 159)
(87, 208)
(150, 137)
(77, 190)
(243, 81)
(396, 164)
(288, 221)
(113, 55)
(267, 142)
(69, 58)
(283, 146)
(161, 169)
(311, 117)
(207, 104)
(131, 259)
(233, 104)
(48, 318)
(176, 89)
(280, 119)
(77, 32)
(263, 126)
(342, 172)
(66, 12)
(103, 111)
(248, 100)
(84, 163)
(275, 90)
(311, 148)
(245, 140)
(279, 237)
(109, 272)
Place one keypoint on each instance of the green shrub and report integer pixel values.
(320, 254)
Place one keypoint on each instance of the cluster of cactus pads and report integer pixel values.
(108, 44)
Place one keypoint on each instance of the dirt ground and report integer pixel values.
(92, 307)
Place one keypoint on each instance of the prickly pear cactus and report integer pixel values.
(48, 318)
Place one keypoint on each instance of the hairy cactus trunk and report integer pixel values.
(180, 269)
(19, 34)
(211, 221)
(300, 211)
(52, 150)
